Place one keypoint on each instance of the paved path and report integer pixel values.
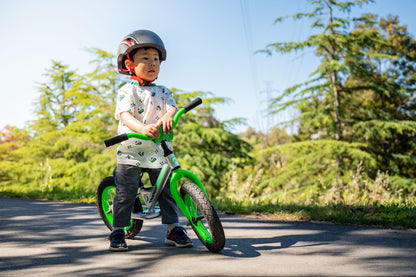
(45, 238)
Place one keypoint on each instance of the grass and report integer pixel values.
(358, 202)
(390, 216)
(69, 194)
(361, 201)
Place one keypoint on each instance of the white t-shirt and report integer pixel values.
(147, 104)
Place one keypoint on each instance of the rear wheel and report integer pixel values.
(106, 192)
(205, 220)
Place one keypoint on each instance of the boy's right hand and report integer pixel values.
(152, 130)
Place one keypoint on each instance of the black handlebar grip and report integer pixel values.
(196, 102)
(115, 140)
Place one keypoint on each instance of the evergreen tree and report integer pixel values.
(358, 107)
(380, 91)
(65, 158)
(319, 99)
(59, 99)
(205, 145)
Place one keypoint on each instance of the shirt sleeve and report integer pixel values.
(169, 100)
(124, 103)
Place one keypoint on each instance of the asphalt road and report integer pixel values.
(45, 238)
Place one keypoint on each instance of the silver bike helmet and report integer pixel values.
(138, 39)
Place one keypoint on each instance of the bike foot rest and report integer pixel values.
(145, 215)
(147, 189)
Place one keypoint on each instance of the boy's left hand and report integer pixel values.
(167, 124)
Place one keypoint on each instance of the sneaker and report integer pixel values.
(117, 241)
(177, 237)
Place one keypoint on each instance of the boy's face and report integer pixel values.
(146, 63)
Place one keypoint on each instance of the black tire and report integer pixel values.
(205, 220)
(106, 192)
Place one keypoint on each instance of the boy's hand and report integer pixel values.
(152, 130)
(167, 123)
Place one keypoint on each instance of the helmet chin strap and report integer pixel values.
(142, 82)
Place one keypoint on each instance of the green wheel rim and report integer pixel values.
(107, 200)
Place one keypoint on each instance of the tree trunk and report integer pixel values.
(338, 132)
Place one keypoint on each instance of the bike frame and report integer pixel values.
(172, 165)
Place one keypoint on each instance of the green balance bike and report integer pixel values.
(191, 197)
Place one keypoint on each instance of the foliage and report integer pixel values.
(352, 158)
(204, 146)
(62, 155)
(361, 201)
(392, 216)
(357, 108)
(383, 103)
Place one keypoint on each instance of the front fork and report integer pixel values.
(178, 174)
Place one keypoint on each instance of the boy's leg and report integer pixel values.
(176, 234)
(127, 178)
(168, 207)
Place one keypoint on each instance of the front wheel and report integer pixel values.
(106, 192)
(205, 221)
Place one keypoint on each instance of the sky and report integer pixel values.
(210, 46)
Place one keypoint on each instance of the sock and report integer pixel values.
(118, 228)
(171, 226)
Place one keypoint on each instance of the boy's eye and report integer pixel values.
(150, 58)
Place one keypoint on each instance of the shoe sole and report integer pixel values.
(118, 249)
(174, 243)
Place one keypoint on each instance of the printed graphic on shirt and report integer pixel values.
(148, 105)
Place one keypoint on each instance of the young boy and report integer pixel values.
(142, 107)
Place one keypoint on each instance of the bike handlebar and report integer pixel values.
(115, 140)
(194, 103)
(120, 138)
